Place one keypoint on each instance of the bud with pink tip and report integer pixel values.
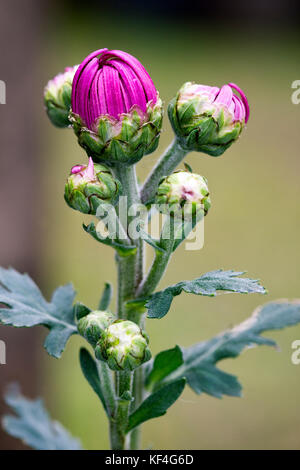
(183, 194)
(90, 185)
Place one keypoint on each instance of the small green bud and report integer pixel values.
(208, 119)
(123, 345)
(90, 185)
(57, 97)
(92, 326)
(183, 194)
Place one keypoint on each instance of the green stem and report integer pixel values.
(107, 386)
(160, 261)
(130, 274)
(119, 422)
(171, 158)
(138, 393)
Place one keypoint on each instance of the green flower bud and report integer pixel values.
(208, 119)
(123, 345)
(123, 140)
(57, 97)
(92, 326)
(183, 194)
(90, 185)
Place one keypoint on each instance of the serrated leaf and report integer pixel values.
(164, 363)
(25, 306)
(156, 404)
(121, 248)
(106, 296)
(34, 426)
(200, 360)
(90, 372)
(210, 284)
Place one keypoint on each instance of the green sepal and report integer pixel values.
(123, 141)
(106, 296)
(58, 116)
(80, 310)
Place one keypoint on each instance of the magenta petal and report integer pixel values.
(110, 82)
(90, 170)
(95, 109)
(77, 169)
(112, 90)
(131, 85)
(82, 90)
(140, 71)
(239, 111)
(225, 96)
(243, 98)
(78, 74)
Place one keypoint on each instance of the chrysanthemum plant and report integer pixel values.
(115, 111)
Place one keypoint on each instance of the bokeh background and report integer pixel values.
(254, 222)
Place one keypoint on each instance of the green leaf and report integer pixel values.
(156, 404)
(148, 239)
(121, 248)
(106, 297)
(90, 372)
(164, 363)
(209, 285)
(24, 306)
(188, 167)
(34, 426)
(200, 360)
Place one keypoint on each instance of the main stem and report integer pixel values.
(130, 274)
(131, 285)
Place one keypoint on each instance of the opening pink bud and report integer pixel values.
(84, 171)
(243, 101)
(110, 82)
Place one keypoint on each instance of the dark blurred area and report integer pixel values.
(37, 39)
(254, 13)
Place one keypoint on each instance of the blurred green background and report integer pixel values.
(253, 225)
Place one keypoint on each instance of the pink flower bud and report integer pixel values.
(116, 110)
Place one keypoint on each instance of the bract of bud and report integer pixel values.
(92, 326)
(208, 119)
(57, 97)
(123, 345)
(116, 110)
(90, 185)
(183, 194)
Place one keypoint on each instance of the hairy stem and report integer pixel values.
(119, 422)
(130, 274)
(160, 261)
(171, 158)
(107, 385)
